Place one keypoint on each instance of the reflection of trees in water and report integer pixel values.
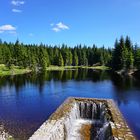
(126, 97)
(16, 81)
(64, 75)
(39, 79)
(75, 74)
(124, 85)
(98, 75)
(60, 75)
(121, 84)
(83, 74)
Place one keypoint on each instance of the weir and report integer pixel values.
(85, 119)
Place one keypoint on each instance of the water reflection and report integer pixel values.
(39, 79)
(26, 101)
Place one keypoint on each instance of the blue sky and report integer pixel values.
(69, 21)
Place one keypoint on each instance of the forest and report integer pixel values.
(124, 55)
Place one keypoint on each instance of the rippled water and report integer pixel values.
(26, 101)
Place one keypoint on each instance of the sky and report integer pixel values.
(71, 22)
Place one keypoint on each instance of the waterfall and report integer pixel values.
(84, 120)
(87, 113)
(104, 132)
(91, 110)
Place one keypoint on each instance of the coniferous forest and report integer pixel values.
(124, 55)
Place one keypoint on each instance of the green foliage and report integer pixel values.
(60, 60)
(75, 58)
(13, 70)
(137, 58)
(123, 56)
(84, 59)
(130, 60)
(43, 57)
(38, 57)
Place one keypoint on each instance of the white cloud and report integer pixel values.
(17, 2)
(56, 29)
(16, 10)
(7, 28)
(59, 26)
(62, 26)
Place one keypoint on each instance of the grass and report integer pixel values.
(97, 67)
(18, 70)
(14, 71)
(57, 68)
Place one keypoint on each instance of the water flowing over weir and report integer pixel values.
(85, 119)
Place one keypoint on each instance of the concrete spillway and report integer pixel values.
(85, 119)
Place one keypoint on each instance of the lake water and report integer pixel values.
(26, 101)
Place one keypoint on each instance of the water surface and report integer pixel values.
(26, 101)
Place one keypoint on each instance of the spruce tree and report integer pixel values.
(75, 58)
(130, 55)
(137, 58)
(116, 58)
(60, 60)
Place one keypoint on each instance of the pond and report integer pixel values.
(26, 101)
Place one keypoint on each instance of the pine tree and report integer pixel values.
(60, 60)
(84, 60)
(55, 57)
(130, 55)
(116, 58)
(44, 58)
(40, 56)
(102, 59)
(137, 58)
(128, 44)
(75, 58)
(1, 56)
(123, 53)
(69, 58)
(131, 60)
(33, 64)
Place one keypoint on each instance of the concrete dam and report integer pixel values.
(85, 119)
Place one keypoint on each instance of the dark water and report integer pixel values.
(26, 101)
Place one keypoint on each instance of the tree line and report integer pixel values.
(124, 55)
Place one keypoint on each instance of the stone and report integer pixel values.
(85, 119)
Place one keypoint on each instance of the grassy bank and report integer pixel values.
(15, 70)
(97, 67)
(57, 68)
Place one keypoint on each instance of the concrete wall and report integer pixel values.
(101, 115)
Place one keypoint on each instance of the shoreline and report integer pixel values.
(53, 68)
(16, 70)
(127, 72)
(4, 71)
